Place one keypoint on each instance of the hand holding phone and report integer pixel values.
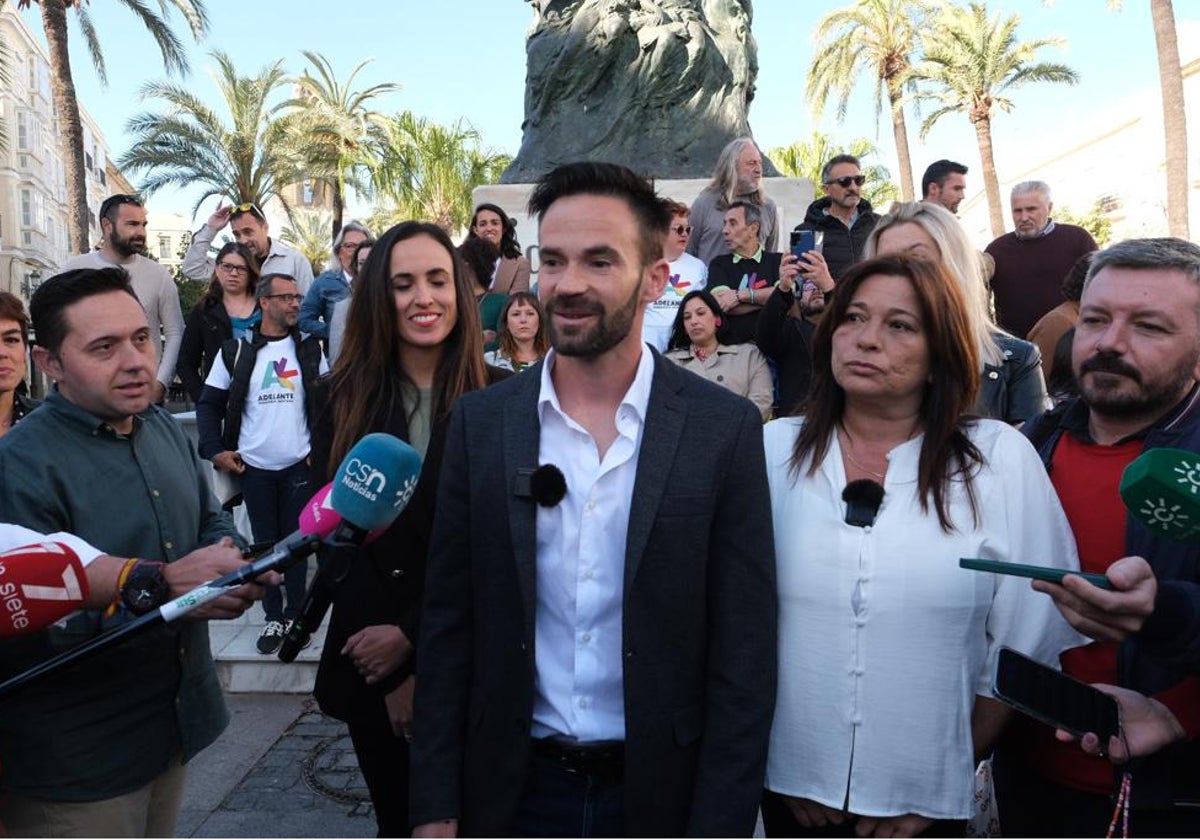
(1055, 698)
(1049, 573)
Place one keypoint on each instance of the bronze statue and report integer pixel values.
(658, 85)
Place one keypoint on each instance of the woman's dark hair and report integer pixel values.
(368, 378)
(510, 248)
(679, 337)
(947, 453)
(479, 259)
(215, 291)
(1061, 384)
(12, 309)
(1072, 284)
(508, 344)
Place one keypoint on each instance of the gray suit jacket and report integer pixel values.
(699, 616)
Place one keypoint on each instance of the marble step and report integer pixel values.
(241, 668)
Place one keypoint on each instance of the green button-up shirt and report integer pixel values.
(112, 722)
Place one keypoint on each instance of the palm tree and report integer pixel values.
(877, 36)
(806, 159)
(428, 171)
(54, 23)
(1174, 117)
(336, 125)
(308, 233)
(973, 60)
(249, 158)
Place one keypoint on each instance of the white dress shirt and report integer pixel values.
(884, 641)
(579, 689)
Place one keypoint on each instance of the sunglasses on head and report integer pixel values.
(248, 207)
(844, 183)
(120, 198)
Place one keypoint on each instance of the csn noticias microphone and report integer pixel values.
(39, 584)
(863, 498)
(1161, 489)
(373, 485)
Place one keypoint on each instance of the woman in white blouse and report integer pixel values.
(886, 648)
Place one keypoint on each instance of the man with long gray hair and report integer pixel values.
(737, 177)
(333, 284)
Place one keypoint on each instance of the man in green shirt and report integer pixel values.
(98, 749)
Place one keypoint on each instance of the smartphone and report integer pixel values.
(803, 241)
(1054, 698)
(1001, 567)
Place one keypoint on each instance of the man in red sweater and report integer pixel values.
(1136, 357)
(1032, 261)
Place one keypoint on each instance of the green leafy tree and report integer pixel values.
(54, 24)
(1094, 220)
(806, 159)
(875, 37)
(427, 171)
(244, 155)
(335, 127)
(973, 61)
(308, 233)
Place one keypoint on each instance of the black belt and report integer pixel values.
(602, 758)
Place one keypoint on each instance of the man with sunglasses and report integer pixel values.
(123, 225)
(688, 273)
(843, 214)
(253, 419)
(249, 227)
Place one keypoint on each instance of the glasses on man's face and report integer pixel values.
(682, 230)
(348, 246)
(231, 268)
(845, 183)
(285, 298)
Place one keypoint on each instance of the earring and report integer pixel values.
(717, 322)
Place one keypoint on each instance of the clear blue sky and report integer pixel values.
(465, 59)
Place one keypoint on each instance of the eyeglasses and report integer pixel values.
(845, 183)
(249, 207)
(682, 230)
(348, 246)
(285, 298)
(233, 269)
(120, 198)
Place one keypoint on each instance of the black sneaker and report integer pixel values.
(307, 636)
(271, 637)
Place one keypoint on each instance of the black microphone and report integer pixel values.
(863, 498)
(375, 481)
(546, 485)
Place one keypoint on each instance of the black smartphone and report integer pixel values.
(1054, 698)
(802, 242)
(1002, 567)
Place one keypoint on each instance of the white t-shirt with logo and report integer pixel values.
(274, 433)
(688, 273)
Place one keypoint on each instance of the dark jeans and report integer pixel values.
(1031, 806)
(383, 760)
(559, 803)
(779, 822)
(274, 499)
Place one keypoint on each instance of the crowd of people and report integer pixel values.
(711, 618)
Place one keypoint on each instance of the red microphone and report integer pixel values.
(39, 584)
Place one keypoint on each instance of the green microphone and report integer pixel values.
(1161, 488)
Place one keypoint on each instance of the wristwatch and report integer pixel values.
(145, 588)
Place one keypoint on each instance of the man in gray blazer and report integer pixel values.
(597, 653)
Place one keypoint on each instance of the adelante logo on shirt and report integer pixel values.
(277, 374)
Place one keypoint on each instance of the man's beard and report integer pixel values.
(588, 343)
(1152, 399)
(126, 247)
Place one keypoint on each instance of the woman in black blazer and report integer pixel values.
(229, 310)
(413, 345)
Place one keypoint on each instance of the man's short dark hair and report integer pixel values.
(49, 302)
(111, 205)
(938, 172)
(751, 214)
(834, 161)
(263, 288)
(608, 179)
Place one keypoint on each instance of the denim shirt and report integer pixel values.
(317, 309)
(114, 721)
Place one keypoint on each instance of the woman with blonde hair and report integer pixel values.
(1012, 388)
